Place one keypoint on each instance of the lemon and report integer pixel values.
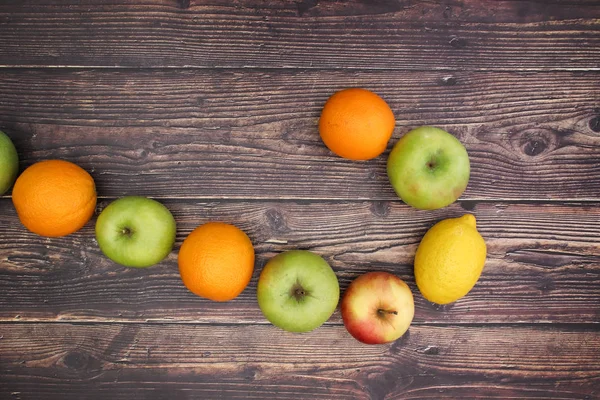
(449, 259)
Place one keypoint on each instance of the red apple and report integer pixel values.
(377, 308)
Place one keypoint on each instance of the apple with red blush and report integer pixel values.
(377, 307)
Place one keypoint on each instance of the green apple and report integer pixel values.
(297, 291)
(377, 308)
(428, 168)
(9, 163)
(135, 231)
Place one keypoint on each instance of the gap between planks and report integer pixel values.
(301, 200)
(93, 322)
(291, 68)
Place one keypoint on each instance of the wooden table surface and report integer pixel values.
(211, 107)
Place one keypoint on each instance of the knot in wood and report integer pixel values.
(75, 360)
(276, 220)
(380, 208)
(595, 124)
(534, 147)
(533, 143)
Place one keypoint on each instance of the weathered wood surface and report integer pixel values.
(125, 361)
(543, 262)
(467, 35)
(251, 134)
(211, 106)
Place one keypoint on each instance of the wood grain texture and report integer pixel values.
(543, 262)
(212, 105)
(253, 134)
(187, 361)
(503, 35)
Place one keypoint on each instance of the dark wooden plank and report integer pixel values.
(543, 263)
(251, 134)
(187, 361)
(501, 35)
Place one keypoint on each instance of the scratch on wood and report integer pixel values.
(276, 241)
(430, 350)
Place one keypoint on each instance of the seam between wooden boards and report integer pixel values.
(88, 322)
(75, 67)
(304, 200)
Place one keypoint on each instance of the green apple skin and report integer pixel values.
(377, 307)
(428, 168)
(136, 231)
(298, 291)
(9, 163)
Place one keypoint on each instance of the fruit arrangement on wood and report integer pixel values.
(297, 290)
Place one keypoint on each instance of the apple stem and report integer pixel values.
(382, 312)
(298, 292)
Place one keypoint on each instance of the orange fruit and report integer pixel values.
(216, 261)
(54, 198)
(356, 124)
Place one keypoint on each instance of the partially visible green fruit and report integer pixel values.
(9, 163)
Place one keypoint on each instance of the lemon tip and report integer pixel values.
(469, 219)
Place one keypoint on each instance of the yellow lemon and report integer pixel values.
(449, 259)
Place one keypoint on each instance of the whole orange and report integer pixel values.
(54, 198)
(216, 261)
(356, 124)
